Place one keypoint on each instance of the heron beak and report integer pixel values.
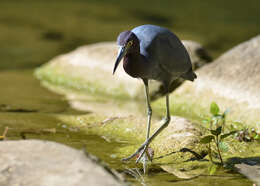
(121, 53)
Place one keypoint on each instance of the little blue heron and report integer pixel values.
(153, 52)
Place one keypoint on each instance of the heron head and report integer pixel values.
(128, 42)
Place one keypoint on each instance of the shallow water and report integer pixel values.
(32, 112)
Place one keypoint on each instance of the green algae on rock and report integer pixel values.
(89, 69)
(130, 131)
(177, 150)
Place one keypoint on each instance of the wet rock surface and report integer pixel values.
(43, 163)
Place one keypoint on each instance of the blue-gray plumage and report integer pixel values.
(153, 52)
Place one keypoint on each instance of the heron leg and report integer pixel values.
(144, 146)
(149, 110)
(149, 116)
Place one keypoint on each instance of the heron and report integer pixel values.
(151, 52)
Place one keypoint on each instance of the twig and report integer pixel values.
(108, 120)
(4, 134)
(217, 143)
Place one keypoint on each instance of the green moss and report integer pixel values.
(197, 108)
(180, 105)
(57, 76)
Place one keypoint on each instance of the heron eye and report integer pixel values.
(130, 43)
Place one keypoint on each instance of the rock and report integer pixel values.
(177, 145)
(250, 171)
(180, 140)
(42, 163)
(180, 133)
(89, 69)
(232, 81)
(199, 56)
(250, 167)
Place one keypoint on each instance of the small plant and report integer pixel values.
(248, 135)
(216, 123)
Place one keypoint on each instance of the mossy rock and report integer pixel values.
(88, 69)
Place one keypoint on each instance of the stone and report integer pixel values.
(249, 167)
(250, 171)
(198, 54)
(89, 69)
(232, 81)
(180, 133)
(43, 163)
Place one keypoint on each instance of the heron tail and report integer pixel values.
(189, 75)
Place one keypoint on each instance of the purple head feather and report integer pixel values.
(125, 36)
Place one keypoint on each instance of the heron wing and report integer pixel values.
(163, 48)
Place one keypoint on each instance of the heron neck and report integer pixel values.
(135, 65)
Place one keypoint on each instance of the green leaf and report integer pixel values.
(213, 169)
(205, 121)
(214, 109)
(257, 137)
(207, 139)
(223, 146)
(223, 136)
(232, 127)
(217, 131)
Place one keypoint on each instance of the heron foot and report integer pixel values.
(141, 152)
(136, 152)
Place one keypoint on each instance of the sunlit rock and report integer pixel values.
(89, 69)
(42, 163)
(232, 81)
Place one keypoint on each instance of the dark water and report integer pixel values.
(34, 31)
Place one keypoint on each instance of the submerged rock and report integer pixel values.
(42, 163)
(89, 69)
(232, 81)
